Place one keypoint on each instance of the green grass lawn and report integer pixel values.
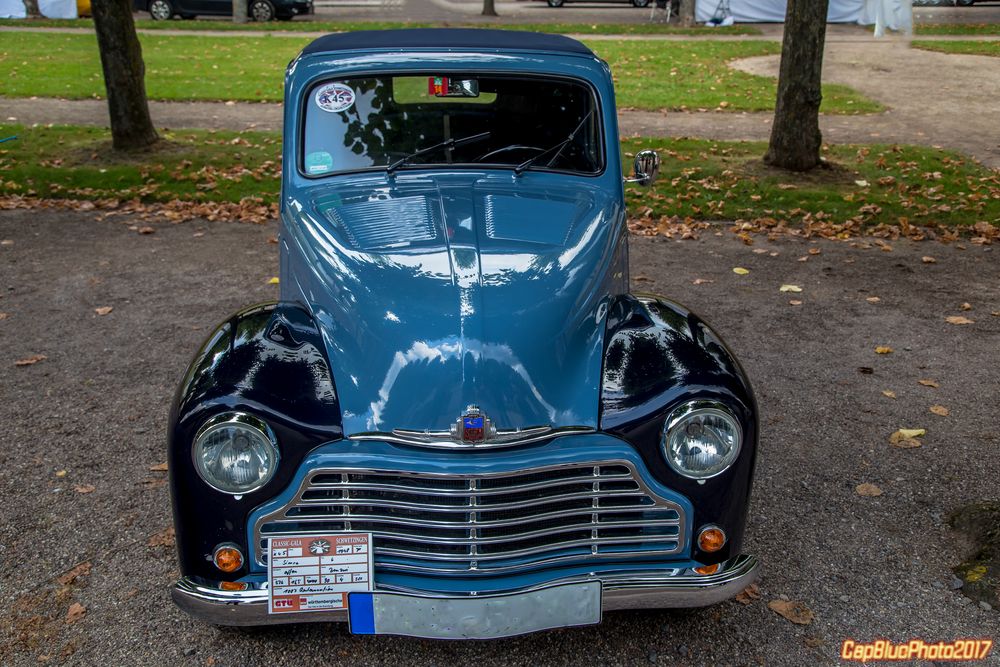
(649, 75)
(866, 185)
(961, 46)
(647, 28)
(700, 180)
(957, 29)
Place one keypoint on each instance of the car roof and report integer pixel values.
(461, 39)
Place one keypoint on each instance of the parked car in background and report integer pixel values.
(457, 421)
(635, 3)
(258, 10)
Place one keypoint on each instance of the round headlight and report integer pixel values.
(235, 453)
(701, 439)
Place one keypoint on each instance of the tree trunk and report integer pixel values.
(31, 9)
(124, 71)
(795, 136)
(489, 8)
(240, 11)
(685, 14)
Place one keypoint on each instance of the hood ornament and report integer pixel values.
(473, 426)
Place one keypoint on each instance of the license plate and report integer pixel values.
(483, 617)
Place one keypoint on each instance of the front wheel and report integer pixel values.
(640, 3)
(160, 10)
(556, 3)
(261, 11)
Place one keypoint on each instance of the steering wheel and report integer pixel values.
(512, 147)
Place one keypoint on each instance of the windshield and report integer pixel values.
(401, 122)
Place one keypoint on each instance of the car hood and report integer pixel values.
(434, 293)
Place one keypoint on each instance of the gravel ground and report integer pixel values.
(82, 428)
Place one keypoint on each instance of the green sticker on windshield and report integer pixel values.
(319, 162)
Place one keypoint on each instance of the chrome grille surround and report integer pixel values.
(485, 523)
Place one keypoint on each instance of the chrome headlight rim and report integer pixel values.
(706, 407)
(244, 420)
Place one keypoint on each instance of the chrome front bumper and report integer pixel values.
(648, 589)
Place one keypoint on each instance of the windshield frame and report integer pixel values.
(308, 89)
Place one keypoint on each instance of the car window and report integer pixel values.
(373, 122)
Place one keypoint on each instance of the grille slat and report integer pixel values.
(485, 523)
(400, 488)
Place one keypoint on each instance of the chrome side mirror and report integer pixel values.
(647, 168)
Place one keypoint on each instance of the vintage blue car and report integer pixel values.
(458, 422)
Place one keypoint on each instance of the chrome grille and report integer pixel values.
(485, 523)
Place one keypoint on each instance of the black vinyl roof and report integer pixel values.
(464, 39)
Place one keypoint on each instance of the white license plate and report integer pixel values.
(481, 617)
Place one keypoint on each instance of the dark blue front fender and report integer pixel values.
(267, 360)
(659, 355)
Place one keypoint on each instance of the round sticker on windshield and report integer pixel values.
(334, 97)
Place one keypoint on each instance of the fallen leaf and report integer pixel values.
(803, 258)
(995, 313)
(164, 538)
(866, 370)
(104, 310)
(813, 642)
(3, 316)
(814, 251)
(888, 393)
(760, 251)
(272, 240)
(159, 467)
(273, 281)
(701, 281)
(794, 302)
(796, 612)
(6, 242)
(868, 490)
(30, 361)
(906, 438)
(873, 299)
(927, 259)
(81, 570)
(940, 410)
(958, 319)
(198, 235)
(84, 488)
(965, 306)
(790, 288)
(748, 594)
(147, 230)
(642, 279)
(153, 482)
(740, 271)
(861, 183)
(75, 613)
(883, 349)
(60, 473)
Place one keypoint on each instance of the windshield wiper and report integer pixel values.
(558, 147)
(447, 143)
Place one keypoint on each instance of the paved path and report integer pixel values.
(836, 34)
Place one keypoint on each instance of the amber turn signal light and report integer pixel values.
(711, 539)
(227, 558)
(707, 569)
(234, 585)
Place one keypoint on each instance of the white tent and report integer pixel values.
(53, 9)
(895, 13)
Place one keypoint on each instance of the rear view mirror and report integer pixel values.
(443, 86)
